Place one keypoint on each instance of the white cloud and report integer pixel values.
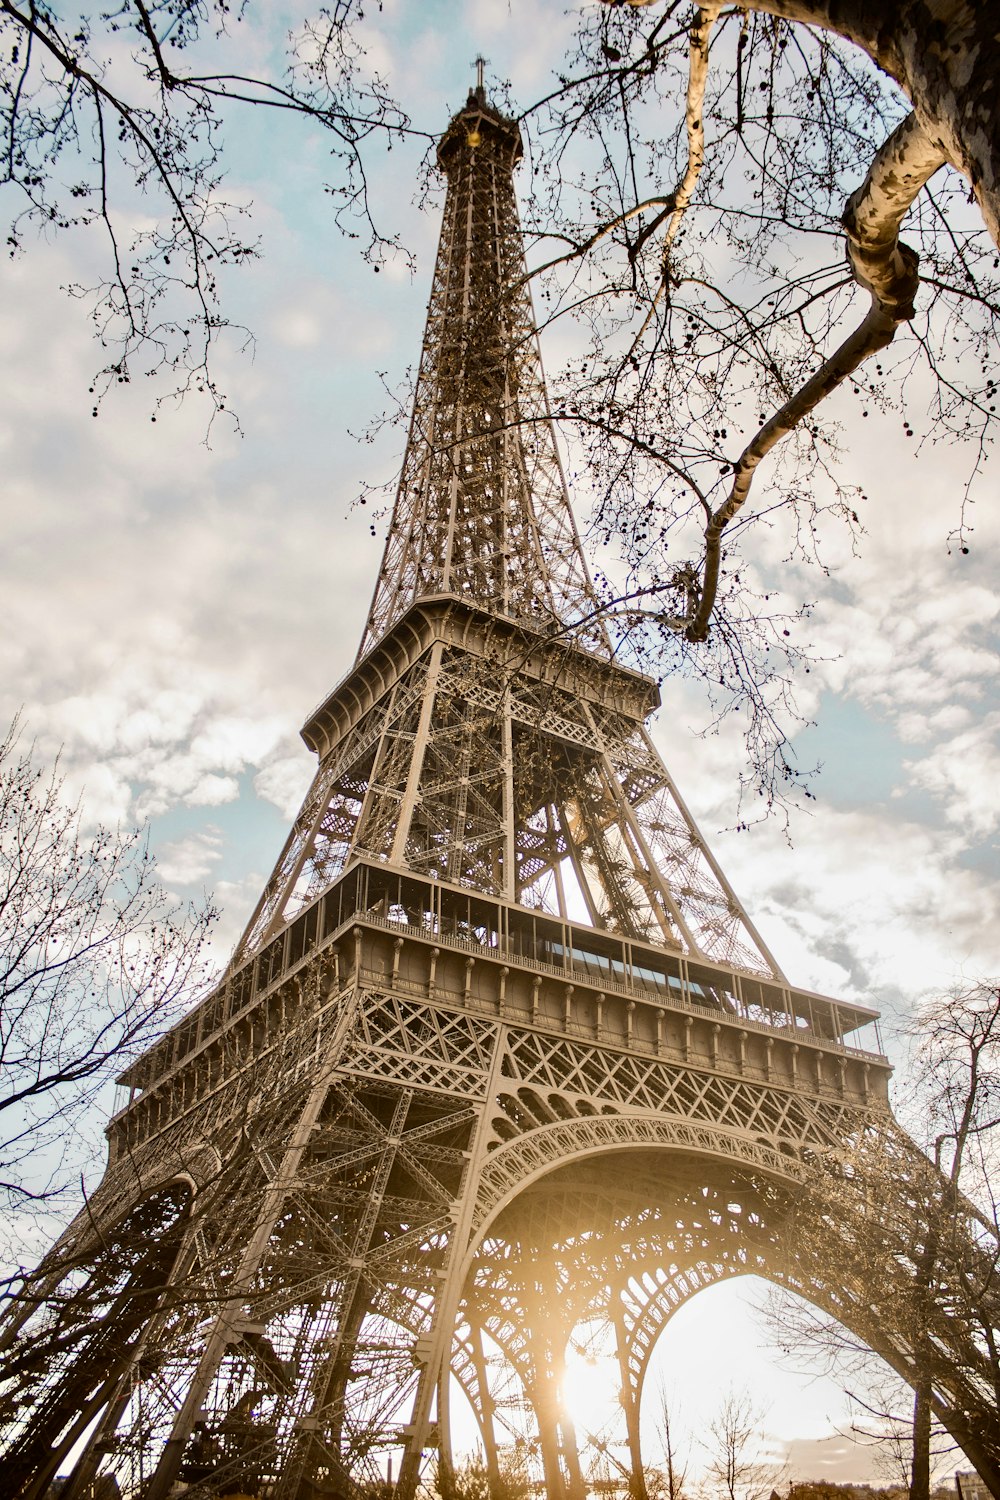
(298, 328)
(234, 741)
(285, 781)
(917, 728)
(963, 772)
(191, 860)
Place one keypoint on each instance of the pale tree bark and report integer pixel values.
(694, 126)
(673, 205)
(945, 56)
(885, 268)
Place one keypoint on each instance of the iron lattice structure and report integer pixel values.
(500, 1063)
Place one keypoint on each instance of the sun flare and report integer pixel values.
(591, 1389)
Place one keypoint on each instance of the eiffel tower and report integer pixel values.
(500, 1062)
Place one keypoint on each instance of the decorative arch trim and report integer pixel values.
(531, 1156)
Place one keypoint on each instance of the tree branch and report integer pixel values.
(694, 125)
(887, 269)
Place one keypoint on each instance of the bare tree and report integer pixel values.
(881, 1404)
(735, 257)
(736, 1465)
(882, 1418)
(118, 118)
(668, 1481)
(95, 961)
(947, 1245)
(958, 1084)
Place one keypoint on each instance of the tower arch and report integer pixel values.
(652, 1205)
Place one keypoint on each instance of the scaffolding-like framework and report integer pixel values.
(500, 1064)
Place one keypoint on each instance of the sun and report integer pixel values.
(591, 1388)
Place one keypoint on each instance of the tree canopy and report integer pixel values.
(736, 261)
(95, 961)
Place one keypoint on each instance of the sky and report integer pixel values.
(174, 609)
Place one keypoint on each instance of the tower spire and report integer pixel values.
(482, 511)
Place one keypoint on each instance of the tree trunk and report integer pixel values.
(920, 1471)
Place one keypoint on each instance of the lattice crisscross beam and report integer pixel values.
(482, 509)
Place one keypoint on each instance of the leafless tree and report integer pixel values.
(882, 1418)
(958, 1084)
(116, 120)
(668, 1481)
(736, 1465)
(881, 1404)
(719, 196)
(95, 961)
(950, 1242)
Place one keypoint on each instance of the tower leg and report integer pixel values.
(547, 1416)
(110, 1315)
(487, 1425)
(630, 1405)
(223, 1327)
(575, 1487)
(548, 1338)
(85, 1471)
(444, 1418)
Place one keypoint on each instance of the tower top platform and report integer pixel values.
(479, 125)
